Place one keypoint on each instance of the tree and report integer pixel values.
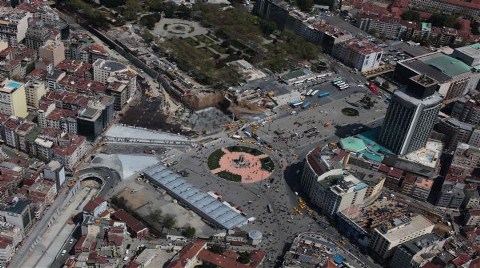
(475, 27)
(325, 3)
(189, 231)
(155, 5)
(169, 221)
(147, 36)
(155, 216)
(150, 20)
(305, 5)
(217, 249)
(267, 27)
(244, 257)
(131, 9)
(386, 84)
(411, 15)
(112, 3)
(442, 20)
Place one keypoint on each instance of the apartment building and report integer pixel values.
(397, 231)
(13, 25)
(52, 51)
(466, 159)
(469, 8)
(360, 54)
(13, 99)
(34, 90)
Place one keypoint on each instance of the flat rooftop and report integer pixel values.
(378, 212)
(10, 86)
(365, 145)
(428, 156)
(438, 66)
(472, 50)
(399, 228)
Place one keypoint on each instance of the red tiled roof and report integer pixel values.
(129, 220)
(191, 250)
(475, 263)
(59, 113)
(395, 172)
(461, 259)
(474, 212)
(93, 204)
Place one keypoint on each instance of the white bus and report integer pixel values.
(338, 82)
(314, 93)
(341, 84)
(309, 92)
(344, 87)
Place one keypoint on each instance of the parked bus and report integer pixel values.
(314, 93)
(344, 87)
(306, 105)
(296, 103)
(269, 208)
(337, 82)
(324, 94)
(341, 84)
(237, 137)
(309, 92)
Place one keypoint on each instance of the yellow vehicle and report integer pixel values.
(342, 242)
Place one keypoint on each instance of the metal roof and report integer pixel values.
(204, 204)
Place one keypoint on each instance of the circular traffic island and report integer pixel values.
(241, 164)
(350, 111)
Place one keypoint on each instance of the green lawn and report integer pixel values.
(229, 176)
(219, 49)
(205, 39)
(267, 164)
(245, 149)
(214, 158)
(192, 41)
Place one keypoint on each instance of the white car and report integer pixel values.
(64, 251)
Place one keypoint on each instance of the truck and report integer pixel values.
(306, 105)
(324, 94)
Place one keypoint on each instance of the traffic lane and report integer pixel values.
(62, 258)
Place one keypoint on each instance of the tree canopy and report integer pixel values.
(411, 15)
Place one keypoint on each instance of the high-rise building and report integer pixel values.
(467, 110)
(452, 192)
(397, 231)
(411, 115)
(13, 25)
(35, 91)
(53, 51)
(37, 34)
(465, 160)
(417, 252)
(455, 131)
(13, 99)
(337, 190)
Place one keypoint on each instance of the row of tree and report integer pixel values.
(437, 20)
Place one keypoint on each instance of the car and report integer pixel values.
(70, 241)
(64, 251)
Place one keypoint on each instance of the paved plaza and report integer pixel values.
(177, 28)
(244, 164)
